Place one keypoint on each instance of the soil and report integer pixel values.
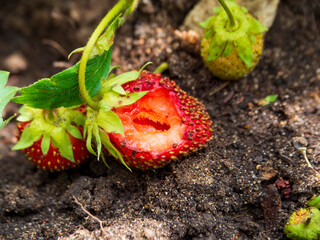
(244, 185)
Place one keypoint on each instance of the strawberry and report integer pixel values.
(53, 159)
(304, 224)
(161, 126)
(232, 42)
(52, 143)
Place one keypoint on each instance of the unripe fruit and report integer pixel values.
(232, 51)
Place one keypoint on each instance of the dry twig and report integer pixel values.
(90, 215)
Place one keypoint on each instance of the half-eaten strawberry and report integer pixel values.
(161, 126)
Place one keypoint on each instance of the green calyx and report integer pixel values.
(304, 224)
(100, 122)
(97, 125)
(224, 36)
(52, 126)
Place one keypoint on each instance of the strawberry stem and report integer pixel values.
(232, 23)
(117, 10)
(161, 68)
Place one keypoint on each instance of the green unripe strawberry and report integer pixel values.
(231, 48)
(304, 224)
(314, 201)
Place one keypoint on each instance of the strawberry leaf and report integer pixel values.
(61, 140)
(216, 10)
(215, 49)
(75, 132)
(111, 149)
(25, 114)
(6, 94)
(112, 99)
(4, 123)
(256, 27)
(89, 133)
(205, 24)
(209, 33)
(119, 89)
(110, 122)
(29, 135)
(45, 142)
(98, 139)
(228, 49)
(62, 90)
(104, 42)
(253, 39)
(122, 78)
(244, 48)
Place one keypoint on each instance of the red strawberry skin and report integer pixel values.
(162, 126)
(53, 161)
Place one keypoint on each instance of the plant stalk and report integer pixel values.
(233, 23)
(118, 9)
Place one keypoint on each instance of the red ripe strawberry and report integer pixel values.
(53, 160)
(161, 126)
(52, 140)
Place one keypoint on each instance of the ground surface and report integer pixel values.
(228, 190)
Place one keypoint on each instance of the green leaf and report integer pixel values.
(112, 99)
(253, 39)
(205, 24)
(62, 90)
(216, 10)
(268, 99)
(119, 89)
(78, 50)
(111, 149)
(271, 98)
(244, 48)
(209, 33)
(30, 134)
(89, 132)
(123, 78)
(243, 9)
(25, 114)
(75, 132)
(104, 42)
(45, 143)
(6, 94)
(216, 48)
(4, 123)
(98, 139)
(228, 49)
(61, 140)
(110, 122)
(256, 27)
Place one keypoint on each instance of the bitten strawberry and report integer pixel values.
(232, 41)
(52, 142)
(161, 126)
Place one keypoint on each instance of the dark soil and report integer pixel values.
(226, 191)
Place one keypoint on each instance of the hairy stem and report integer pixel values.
(117, 10)
(233, 23)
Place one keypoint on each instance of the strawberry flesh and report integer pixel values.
(161, 126)
(53, 161)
